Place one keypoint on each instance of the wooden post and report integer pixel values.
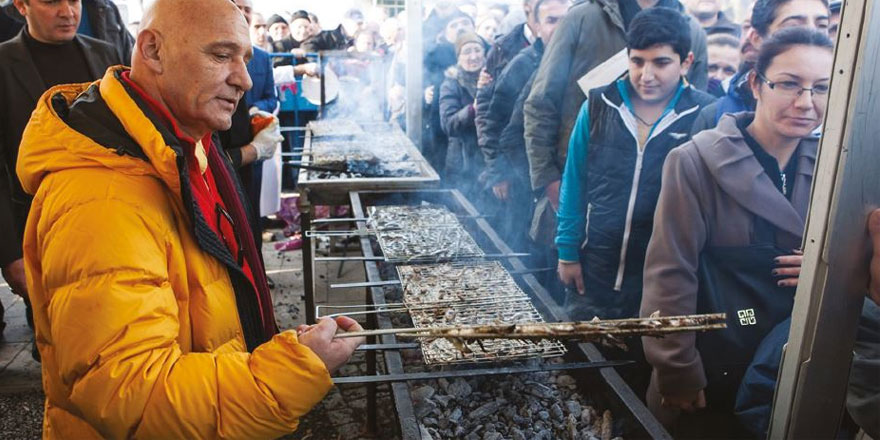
(811, 391)
(414, 88)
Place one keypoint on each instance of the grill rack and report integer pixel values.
(408, 234)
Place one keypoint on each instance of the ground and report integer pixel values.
(340, 416)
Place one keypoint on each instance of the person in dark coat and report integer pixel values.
(768, 17)
(733, 205)
(507, 168)
(99, 19)
(45, 53)
(340, 38)
(502, 51)
(439, 56)
(463, 159)
(592, 32)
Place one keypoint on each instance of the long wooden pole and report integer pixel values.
(577, 330)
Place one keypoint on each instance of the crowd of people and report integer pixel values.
(656, 156)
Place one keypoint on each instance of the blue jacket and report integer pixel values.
(262, 94)
(610, 187)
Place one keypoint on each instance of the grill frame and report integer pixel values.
(606, 386)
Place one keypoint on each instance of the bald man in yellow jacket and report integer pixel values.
(152, 313)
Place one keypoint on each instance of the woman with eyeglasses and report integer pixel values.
(728, 229)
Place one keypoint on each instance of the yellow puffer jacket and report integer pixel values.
(136, 325)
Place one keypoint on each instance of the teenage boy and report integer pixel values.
(612, 173)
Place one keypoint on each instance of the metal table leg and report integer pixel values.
(308, 256)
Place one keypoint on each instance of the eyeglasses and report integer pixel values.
(793, 89)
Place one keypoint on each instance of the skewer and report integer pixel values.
(468, 257)
(301, 165)
(363, 219)
(579, 330)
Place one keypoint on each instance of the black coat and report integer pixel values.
(463, 159)
(500, 156)
(20, 88)
(328, 40)
(104, 17)
(439, 57)
(503, 50)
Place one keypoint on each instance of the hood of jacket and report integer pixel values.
(130, 145)
(736, 170)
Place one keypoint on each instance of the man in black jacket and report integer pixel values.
(46, 52)
(100, 19)
(504, 48)
(507, 168)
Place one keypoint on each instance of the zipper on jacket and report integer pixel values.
(630, 209)
(587, 226)
(658, 128)
(784, 183)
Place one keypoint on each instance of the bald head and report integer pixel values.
(191, 56)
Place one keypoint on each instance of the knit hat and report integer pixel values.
(274, 19)
(465, 38)
(300, 14)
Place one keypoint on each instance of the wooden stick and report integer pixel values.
(582, 330)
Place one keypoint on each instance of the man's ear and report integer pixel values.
(20, 6)
(755, 84)
(687, 63)
(149, 47)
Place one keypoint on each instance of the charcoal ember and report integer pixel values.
(566, 381)
(571, 425)
(424, 407)
(422, 393)
(556, 412)
(587, 416)
(516, 434)
(455, 415)
(459, 388)
(484, 410)
(443, 400)
(573, 407)
(492, 435)
(430, 421)
(544, 415)
(540, 391)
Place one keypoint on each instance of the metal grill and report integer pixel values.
(412, 235)
(446, 294)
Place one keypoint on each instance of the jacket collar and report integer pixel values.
(27, 73)
(737, 172)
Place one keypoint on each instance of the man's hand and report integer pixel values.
(570, 273)
(484, 79)
(298, 52)
(789, 269)
(874, 268)
(687, 402)
(552, 192)
(266, 140)
(319, 337)
(13, 273)
(429, 95)
(501, 190)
